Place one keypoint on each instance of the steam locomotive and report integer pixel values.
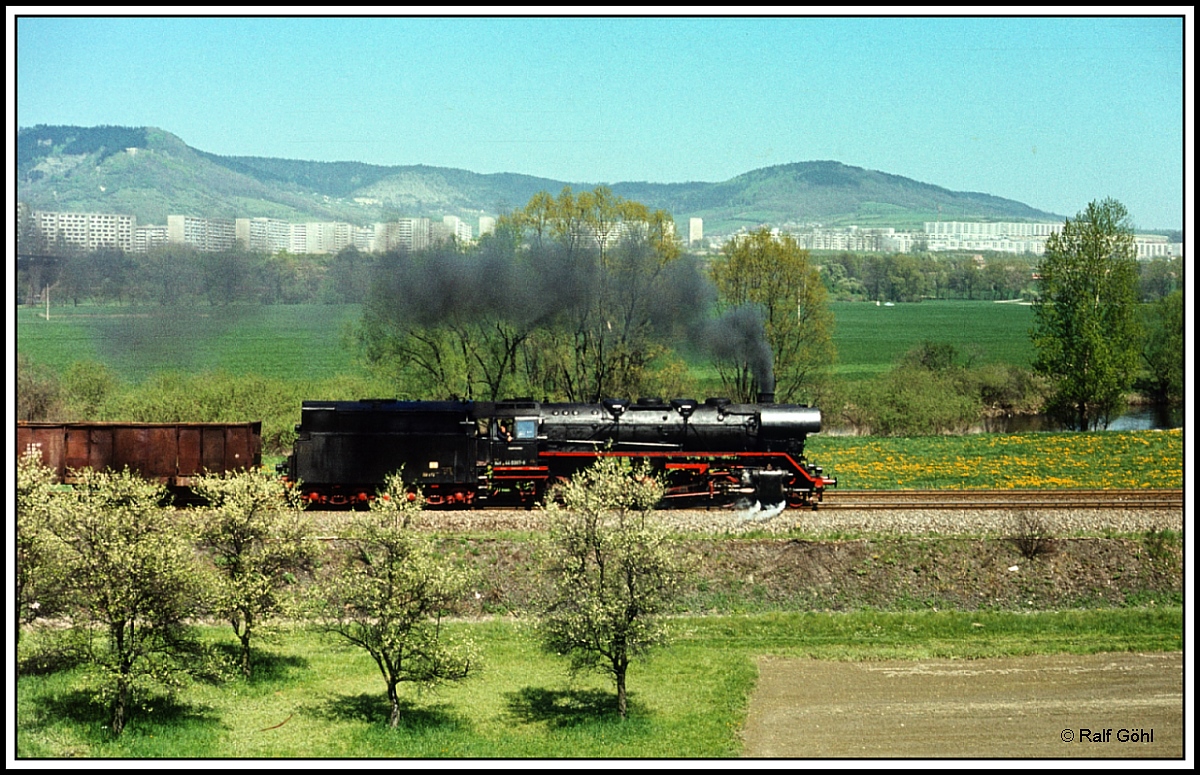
(510, 453)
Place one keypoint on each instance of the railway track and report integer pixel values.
(1001, 499)
(912, 512)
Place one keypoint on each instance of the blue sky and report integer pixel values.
(1053, 112)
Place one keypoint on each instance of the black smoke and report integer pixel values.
(741, 334)
(529, 286)
(499, 282)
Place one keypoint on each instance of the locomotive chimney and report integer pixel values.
(766, 398)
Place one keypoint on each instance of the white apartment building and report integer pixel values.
(88, 231)
(208, 235)
(267, 235)
(458, 229)
(998, 236)
(1151, 246)
(147, 237)
(403, 234)
(1026, 238)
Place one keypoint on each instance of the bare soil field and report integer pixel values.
(1062, 706)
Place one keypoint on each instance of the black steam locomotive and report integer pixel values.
(481, 453)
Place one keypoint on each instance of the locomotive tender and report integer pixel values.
(482, 453)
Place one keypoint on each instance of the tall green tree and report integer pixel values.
(1087, 326)
(623, 255)
(612, 571)
(1164, 351)
(776, 274)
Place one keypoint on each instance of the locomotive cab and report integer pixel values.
(510, 441)
(509, 433)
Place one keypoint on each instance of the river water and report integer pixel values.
(1135, 418)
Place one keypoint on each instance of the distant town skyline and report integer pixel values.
(1053, 112)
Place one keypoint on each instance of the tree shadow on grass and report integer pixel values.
(265, 666)
(563, 708)
(374, 709)
(49, 660)
(88, 711)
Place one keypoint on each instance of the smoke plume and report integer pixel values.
(532, 286)
(741, 334)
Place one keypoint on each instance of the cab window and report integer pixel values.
(526, 430)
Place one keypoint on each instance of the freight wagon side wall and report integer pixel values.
(172, 454)
(45, 441)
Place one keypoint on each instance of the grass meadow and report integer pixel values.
(314, 698)
(870, 339)
(287, 342)
(1099, 460)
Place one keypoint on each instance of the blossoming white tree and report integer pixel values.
(613, 573)
(255, 532)
(393, 596)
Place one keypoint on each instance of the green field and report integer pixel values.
(869, 339)
(306, 341)
(289, 342)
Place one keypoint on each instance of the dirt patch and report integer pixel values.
(1060, 706)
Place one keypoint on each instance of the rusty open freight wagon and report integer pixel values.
(173, 454)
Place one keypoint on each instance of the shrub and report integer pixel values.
(39, 394)
(133, 577)
(87, 385)
(1032, 536)
(913, 401)
(40, 575)
(255, 531)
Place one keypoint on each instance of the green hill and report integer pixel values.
(151, 173)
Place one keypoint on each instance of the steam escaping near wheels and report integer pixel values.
(760, 513)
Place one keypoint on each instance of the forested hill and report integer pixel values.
(152, 173)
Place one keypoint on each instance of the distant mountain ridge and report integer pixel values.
(151, 173)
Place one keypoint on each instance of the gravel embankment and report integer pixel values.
(1058, 522)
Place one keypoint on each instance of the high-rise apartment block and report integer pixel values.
(147, 237)
(267, 235)
(403, 234)
(88, 231)
(208, 235)
(457, 228)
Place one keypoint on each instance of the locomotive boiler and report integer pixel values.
(481, 453)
